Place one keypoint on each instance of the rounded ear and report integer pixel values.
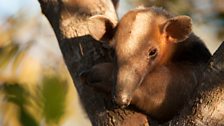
(100, 27)
(177, 29)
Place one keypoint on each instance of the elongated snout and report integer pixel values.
(127, 82)
(122, 100)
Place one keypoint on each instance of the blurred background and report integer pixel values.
(35, 86)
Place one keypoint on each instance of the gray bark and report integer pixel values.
(80, 51)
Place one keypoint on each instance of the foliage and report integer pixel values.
(53, 94)
(13, 53)
(50, 97)
(17, 94)
(43, 103)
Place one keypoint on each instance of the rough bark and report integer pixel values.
(80, 51)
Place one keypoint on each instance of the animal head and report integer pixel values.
(144, 39)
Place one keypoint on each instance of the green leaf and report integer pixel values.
(53, 92)
(18, 95)
(26, 118)
(14, 93)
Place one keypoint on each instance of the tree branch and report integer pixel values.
(81, 51)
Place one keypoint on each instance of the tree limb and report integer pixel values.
(81, 51)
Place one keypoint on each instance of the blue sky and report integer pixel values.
(11, 7)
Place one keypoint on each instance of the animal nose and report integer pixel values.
(122, 100)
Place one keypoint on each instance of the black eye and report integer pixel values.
(152, 53)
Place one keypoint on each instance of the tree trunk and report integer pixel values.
(69, 19)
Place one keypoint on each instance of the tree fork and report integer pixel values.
(80, 51)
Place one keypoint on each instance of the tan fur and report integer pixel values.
(156, 83)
